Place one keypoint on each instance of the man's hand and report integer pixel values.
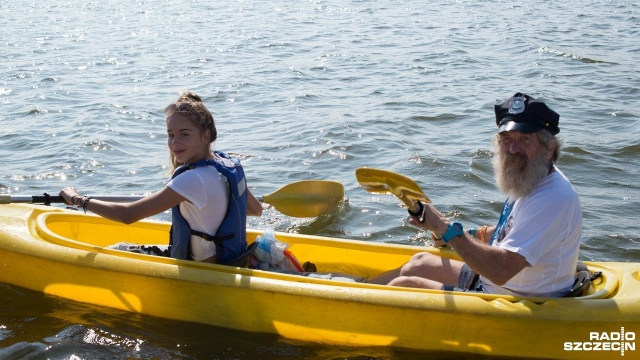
(432, 220)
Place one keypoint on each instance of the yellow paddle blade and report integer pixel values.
(387, 182)
(307, 198)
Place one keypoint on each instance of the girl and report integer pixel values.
(207, 192)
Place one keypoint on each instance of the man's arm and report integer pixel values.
(497, 265)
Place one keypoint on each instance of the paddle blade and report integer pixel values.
(387, 182)
(307, 198)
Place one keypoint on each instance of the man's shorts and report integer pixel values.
(468, 281)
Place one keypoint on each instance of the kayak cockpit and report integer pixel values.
(94, 234)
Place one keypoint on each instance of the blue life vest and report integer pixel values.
(231, 236)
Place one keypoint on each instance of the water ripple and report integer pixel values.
(314, 90)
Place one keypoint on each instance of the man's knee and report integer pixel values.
(399, 281)
(423, 260)
(415, 282)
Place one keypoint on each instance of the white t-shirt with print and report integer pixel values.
(207, 194)
(545, 227)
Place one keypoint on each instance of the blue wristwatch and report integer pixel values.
(455, 229)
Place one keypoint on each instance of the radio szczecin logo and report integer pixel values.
(605, 341)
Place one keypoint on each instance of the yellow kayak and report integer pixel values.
(64, 253)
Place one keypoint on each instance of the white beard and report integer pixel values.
(516, 175)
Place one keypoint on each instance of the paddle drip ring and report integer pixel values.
(47, 199)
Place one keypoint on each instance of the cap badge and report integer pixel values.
(517, 105)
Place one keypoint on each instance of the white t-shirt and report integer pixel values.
(207, 194)
(545, 227)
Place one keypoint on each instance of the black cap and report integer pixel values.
(523, 113)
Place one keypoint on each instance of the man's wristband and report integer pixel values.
(455, 229)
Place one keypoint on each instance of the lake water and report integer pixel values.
(306, 90)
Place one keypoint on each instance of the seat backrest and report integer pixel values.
(581, 284)
(584, 277)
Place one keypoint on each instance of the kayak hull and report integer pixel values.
(63, 253)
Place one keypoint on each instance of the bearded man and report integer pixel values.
(533, 249)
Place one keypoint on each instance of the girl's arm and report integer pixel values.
(254, 207)
(127, 212)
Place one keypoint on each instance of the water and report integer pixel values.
(306, 90)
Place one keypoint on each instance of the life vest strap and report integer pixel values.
(215, 238)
